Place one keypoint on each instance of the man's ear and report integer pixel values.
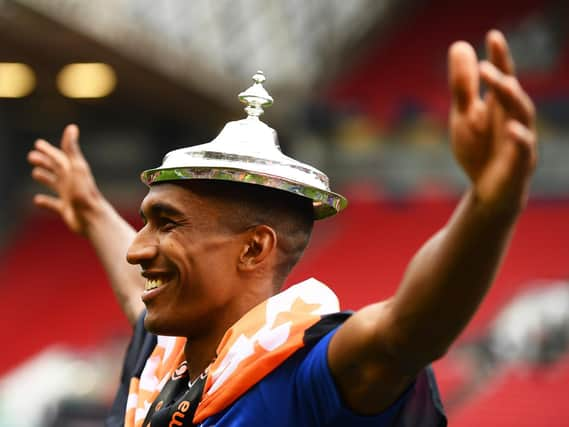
(260, 244)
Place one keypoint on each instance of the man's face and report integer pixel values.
(188, 260)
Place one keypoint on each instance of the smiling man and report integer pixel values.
(219, 343)
(211, 251)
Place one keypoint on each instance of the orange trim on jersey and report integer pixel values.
(165, 358)
(261, 341)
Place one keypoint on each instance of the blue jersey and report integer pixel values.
(299, 392)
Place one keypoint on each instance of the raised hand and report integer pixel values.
(86, 211)
(65, 172)
(493, 137)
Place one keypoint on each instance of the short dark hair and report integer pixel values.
(290, 215)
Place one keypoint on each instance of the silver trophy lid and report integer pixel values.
(248, 151)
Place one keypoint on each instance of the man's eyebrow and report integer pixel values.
(161, 208)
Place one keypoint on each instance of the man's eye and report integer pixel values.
(166, 223)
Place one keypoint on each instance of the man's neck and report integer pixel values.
(201, 351)
(200, 356)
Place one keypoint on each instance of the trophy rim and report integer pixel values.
(325, 203)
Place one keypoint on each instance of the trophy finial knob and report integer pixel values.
(256, 97)
(259, 77)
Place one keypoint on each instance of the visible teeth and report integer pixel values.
(152, 284)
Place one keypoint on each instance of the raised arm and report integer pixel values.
(85, 211)
(377, 353)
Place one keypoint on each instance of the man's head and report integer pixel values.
(211, 250)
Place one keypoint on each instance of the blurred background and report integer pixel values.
(360, 92)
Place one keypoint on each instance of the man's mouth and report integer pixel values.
(155, 279)
(153, 284)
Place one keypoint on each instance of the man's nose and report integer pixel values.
(142, 249)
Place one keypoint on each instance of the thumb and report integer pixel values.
(70, 141)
